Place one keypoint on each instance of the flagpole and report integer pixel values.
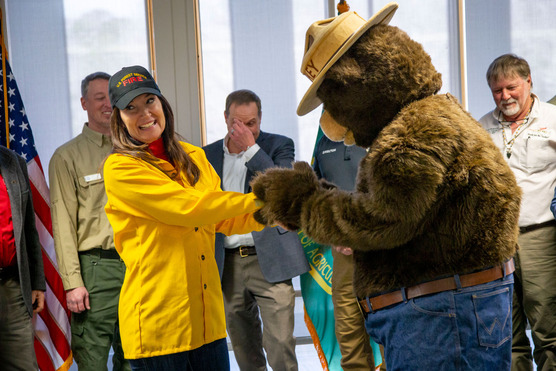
(6, 119)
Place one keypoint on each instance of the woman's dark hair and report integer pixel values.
(123, 143)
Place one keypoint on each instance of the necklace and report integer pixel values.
(509, 144)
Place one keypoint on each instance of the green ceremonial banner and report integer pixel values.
(316, 290)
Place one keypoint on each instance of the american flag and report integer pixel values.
(52, 325)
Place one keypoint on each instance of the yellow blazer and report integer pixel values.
(171, 298)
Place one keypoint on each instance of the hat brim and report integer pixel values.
(131, 95)
(310, 101)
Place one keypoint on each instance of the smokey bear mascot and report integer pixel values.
(433, 221)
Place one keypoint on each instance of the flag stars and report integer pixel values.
(18, 130)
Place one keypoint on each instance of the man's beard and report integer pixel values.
(511, 111)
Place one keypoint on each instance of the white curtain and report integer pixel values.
(54, 44)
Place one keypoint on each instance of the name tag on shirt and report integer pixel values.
(332, 150)
(92, 177)
(539, 133)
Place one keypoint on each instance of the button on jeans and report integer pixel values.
(464, 329)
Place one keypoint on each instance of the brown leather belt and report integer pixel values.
(533, 227)
(8, 272)
(436, 286)
(243, 251)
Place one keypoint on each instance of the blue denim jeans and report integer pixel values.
(463, 329)
(210, 357)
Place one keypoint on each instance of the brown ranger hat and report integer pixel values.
(326, 41)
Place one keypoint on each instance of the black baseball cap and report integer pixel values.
(128, 83)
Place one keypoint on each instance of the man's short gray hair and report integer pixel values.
(91, 77)
(508, 65)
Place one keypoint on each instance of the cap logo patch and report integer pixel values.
(130, 78)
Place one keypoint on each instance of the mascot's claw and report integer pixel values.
(284, 191)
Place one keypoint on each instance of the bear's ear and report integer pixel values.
(334, 131)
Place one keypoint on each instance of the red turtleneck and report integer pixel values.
(157, 149)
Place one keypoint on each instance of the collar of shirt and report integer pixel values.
(157, 149)
(248, 155)
(94, 136)
(234, 174)
(234, 169)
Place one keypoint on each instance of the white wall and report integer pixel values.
(176, 63)
(42, 78)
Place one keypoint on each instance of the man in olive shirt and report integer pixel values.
(91, 269)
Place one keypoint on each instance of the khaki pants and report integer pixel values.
(16, 330)
(248, 298)
(349, 322)
(535, 300)
(94, 331)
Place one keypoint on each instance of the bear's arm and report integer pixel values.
(400, 185)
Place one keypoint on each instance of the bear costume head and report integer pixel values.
(378, 85)
(434, 195)
(344, 82)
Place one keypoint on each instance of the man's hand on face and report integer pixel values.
(241, 136)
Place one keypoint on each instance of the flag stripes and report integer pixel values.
(52, 325)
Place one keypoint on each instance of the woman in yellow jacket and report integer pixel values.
(165, 205)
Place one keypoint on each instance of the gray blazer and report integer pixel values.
(279, 251)
(29, 255)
